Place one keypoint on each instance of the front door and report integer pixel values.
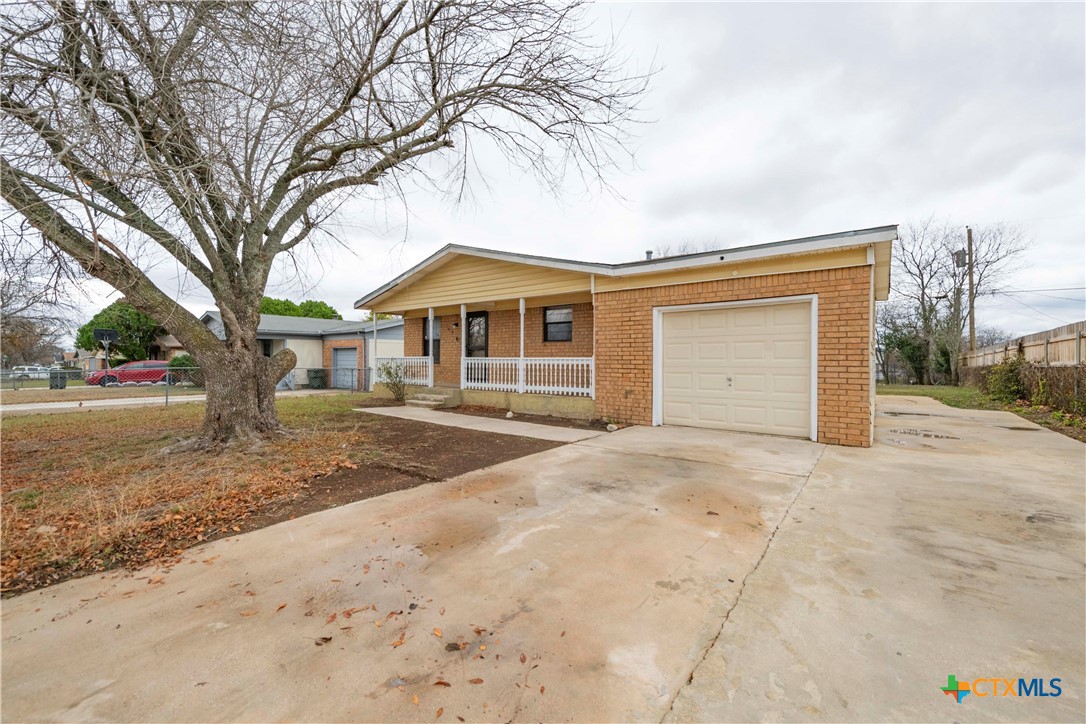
(475, 345)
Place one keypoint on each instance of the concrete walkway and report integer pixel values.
(486, 424)
(112, 403)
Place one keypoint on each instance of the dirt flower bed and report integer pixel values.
(554, 421)
(86, 492)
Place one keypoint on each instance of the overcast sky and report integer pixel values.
(771, 122)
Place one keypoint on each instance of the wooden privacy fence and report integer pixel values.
(1061, 346)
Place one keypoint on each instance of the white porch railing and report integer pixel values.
(537, 375)
(416, 370)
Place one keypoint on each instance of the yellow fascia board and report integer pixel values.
(835, 259)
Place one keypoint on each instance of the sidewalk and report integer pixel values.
(37, 408)
(485, 424)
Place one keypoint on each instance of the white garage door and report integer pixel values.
(744, 368)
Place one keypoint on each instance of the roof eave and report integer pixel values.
(789, 247)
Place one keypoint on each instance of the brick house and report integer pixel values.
(773, 338)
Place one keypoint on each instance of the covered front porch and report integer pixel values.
(527, 346)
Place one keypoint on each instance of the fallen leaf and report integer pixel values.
(331, 618)
(542, 689)
(475, 681)
(336, 580)
(281, 607)
(250, 612)
(440, 711)
(563, 634)
(441, 682)
(415, 700)
(460, 718)
(523, 658)
(248, 593)
(482, 647)
(156, 579)
(366, 568)
(322, 640)
(236, 529)
(711, 512)
(437, 632)
(398, 642)
(392, 613)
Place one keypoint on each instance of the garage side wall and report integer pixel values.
(623, 332)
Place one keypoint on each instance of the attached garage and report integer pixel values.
(743, 366)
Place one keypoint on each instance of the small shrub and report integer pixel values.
(391, 373)
(1005, 381)
(185, 370)
(184, 360)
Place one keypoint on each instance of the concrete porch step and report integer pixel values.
(428, 404)
(429, 397)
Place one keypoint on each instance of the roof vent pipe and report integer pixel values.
(648, 255)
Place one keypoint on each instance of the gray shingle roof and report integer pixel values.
(309, 327)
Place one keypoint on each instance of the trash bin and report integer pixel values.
(317, 379)
(58, 379)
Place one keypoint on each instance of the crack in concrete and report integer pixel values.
(742, 587)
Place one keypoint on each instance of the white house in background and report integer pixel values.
(345, 349)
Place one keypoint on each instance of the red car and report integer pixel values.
(144, 371)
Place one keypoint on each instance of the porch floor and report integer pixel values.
(485, 424)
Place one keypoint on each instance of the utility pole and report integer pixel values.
(969, 261)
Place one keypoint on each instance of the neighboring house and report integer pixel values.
(773, 338)
(165, 348)
(346, 349)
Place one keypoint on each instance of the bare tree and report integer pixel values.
(220, 136)
(687, 246)
(36, 309)
(931, 276)
(988, 336)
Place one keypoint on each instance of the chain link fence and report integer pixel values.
(142, 384)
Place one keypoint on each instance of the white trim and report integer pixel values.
(463, 342)
(521, 370)
(658, 353)
(430, 342)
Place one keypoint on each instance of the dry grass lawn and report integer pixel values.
(87, 492)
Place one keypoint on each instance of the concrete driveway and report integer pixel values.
(954, 546)
(595, 575)
(644, 574)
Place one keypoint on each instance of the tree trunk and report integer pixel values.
(240, 384)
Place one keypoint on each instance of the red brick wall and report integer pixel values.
(624, 344)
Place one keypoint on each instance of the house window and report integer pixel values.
(265, 347)
(436, 341)
(557, 324)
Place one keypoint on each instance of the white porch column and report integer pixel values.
(521, 381)
(463, 343)
(373, 363)
(430, 378)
